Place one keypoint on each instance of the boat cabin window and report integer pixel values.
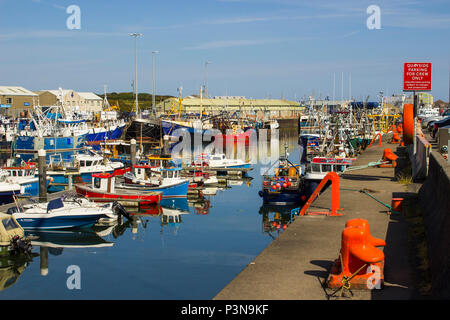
(88, 163)
(9, 224)
(326, 168)
(14, 173)
(97, 182)
(82, 164)
(340, 168)
(20, 173)
(315, 167)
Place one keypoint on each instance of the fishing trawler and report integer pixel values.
(83, 165)
(103, 189)
(25, 176)
(319, 167)
(286, 186)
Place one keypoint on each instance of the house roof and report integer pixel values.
(16, 91)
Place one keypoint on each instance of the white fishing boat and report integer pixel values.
(219, 161)
(166, 180)
(26, 176)
(84, 165)
(62, 214)
(8, 189)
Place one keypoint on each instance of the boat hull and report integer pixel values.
(282, 198)
(27, 146)
(126, 199)
(178, 190)
(102, 134)
(8, 196)
(58, 222)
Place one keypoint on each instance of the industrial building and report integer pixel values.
(15, 101)
(272, 108)
(73, 101)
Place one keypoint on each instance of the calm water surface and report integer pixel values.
(218, 236)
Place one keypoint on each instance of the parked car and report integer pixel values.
(429, 121)
(440, 124)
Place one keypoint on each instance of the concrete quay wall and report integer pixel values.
(434, 198)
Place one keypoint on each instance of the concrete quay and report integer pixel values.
(296, 264)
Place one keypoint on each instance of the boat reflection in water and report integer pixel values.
(172, 210)
(201, 205)
(54, 242)
(77, 238)
(275, 219)
(12, 266)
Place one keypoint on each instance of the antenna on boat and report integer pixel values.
(105, 100)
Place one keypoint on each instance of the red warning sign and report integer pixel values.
(417, 76)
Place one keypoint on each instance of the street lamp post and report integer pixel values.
(153, 82)
(206, 78)
(135, 35)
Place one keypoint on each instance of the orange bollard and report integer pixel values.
(388, 155)
(363, 223)
(396, 138)
(357, 261)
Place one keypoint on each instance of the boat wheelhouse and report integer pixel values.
(319, 167)
(166, 180)
(83, 165)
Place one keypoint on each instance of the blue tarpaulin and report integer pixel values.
(55, 204)
(53, 115)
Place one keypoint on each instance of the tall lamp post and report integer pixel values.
(135, 35)
(206, 78)
(153, 81)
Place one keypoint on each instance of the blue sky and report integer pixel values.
(257, 48)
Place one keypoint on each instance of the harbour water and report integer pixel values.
(148, 259)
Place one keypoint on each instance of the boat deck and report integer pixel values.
(27, 200)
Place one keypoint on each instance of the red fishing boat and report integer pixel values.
(103, 189)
